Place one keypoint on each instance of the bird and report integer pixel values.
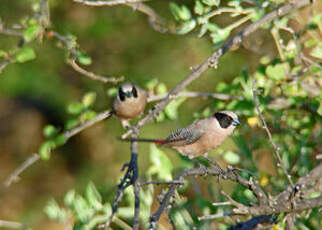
(129, 102)
(199, 137)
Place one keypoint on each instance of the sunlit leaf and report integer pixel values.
(25, 54)
(186, 27)
(93, 196)
(89, 99)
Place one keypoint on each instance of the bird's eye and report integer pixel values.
(134, 92)
(121, 94)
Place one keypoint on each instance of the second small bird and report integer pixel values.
(201, 136)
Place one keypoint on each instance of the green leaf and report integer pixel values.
(186, 27)
(45, 149)
(54, 212)
(219, 36)
(199, 8)
(161, 88)
(50, 131)
(83, 58)
(25, 54)
(151, 84)
(278, 71)
(82, 210)
(60, 140)
(88, 115)
(93, 197)
(111, 92)
(317, 51)
(171, 111)
(75, 108)
(231, 157)
(89, 99)
(211, 2)
(69, 198)
(161, 165)
(180, 13)
(3, 53)
(320, 109)
(31, 32)
(72, 123)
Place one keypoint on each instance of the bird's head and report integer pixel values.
(227, 119)
(127, 90)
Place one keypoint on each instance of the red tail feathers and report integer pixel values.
(157, 141)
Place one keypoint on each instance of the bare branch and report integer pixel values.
(213, 171)
(213, 59)
(108, 3)
(14, 177)
(10, 32)
(156, 22)
(276, 149)
(220, 96)
(11, 224)
(93, 75)
(162, 182)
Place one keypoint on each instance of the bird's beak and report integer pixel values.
(235, 122)
(128, 94)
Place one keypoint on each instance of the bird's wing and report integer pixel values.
(183, 136)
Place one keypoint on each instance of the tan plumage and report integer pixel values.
(129, 102)
(201, 136)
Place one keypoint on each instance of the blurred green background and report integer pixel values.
(120, 41)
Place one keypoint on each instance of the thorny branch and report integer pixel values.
(267, 205)
(109, 3)
(276, 149)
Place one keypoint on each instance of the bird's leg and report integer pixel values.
(129, 178)
(125, 123)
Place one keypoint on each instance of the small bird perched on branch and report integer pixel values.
(129, 102)
(201, 136)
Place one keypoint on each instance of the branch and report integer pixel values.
(108, 3)
(214, 58)
(93, 76)
(219, 96)
(266, 206)
(11, 224)
(213, 171)
(156, 22)
(276, 149)
(14, 177)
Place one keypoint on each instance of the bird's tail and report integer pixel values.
(156, 141)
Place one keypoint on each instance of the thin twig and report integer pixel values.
(10, 32)
(162, 182)
(93, 75)
(108, 3)
(219, 96)
(10, 224)
(227, 10)
(136, 184)
(221, 203)
(215, 216)
(156, 22)
(213, 60)
(276, 149)
(14, 177)
(35, 157)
